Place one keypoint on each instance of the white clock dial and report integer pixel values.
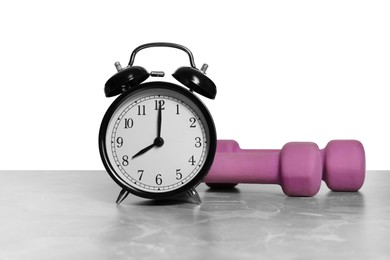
(153, 159)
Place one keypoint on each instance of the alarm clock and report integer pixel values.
(157, 140)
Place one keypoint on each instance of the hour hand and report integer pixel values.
(144, 150)
(157, 142)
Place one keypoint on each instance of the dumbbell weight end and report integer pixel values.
(344, 165)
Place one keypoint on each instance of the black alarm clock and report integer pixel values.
(157, 140)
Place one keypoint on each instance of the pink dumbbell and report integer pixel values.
(299, 167)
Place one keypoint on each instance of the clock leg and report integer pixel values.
(122, 195)
(192, 196)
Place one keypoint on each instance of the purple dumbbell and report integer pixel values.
(298, 167)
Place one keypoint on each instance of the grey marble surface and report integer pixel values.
(72, 215)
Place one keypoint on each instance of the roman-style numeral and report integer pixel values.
(125, 160)
(159, 103)
(193, 121)
(192, 161)
(177, 110)
(141, 172)
(119, 142)
(198, 142)
(129, 123)
(158, 179)
(178, 174)
(141, 110)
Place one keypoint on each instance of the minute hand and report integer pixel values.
(158, 141)
(159, 121)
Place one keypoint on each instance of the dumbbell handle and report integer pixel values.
(245, 166)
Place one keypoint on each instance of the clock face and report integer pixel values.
(157, 140)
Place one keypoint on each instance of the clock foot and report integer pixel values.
(122, 195)
(192, 196)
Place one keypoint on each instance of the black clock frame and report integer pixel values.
(210, 154)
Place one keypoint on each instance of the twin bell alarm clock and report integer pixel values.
(157, 140)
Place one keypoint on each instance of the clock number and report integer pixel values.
(193, 121)
(125, 160)
(198, 142)
(177, 110)
(159, 103)
(158, 179)
(192, 161)
(129, 123)
(178, 174)
(141, 172)
(119, 142)
(141, 110)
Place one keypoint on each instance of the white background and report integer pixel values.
(285, 71)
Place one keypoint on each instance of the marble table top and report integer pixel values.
(73, 215)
